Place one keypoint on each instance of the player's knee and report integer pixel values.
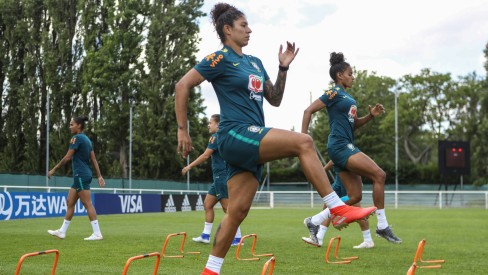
(380, 176)
(356, 198)
(306, 143)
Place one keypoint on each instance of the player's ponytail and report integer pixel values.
(81, 121)
(224, 14)
(337, 64)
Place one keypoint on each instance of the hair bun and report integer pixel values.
(218, 10)
(336, 58)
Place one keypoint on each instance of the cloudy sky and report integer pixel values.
(391, 38)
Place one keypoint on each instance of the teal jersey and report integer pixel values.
(238, 81)
(81, 159)
(341, 109)
(219, 167)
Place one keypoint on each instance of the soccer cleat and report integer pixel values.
(365, 244)
(204, 238)
(57, 233)
(236, 241)
(343, 215)
(388, 235)
(311, 242)
(94, 237)
(207, 271)
(312, 228)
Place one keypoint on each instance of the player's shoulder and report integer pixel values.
(217, 57)
(212, 138)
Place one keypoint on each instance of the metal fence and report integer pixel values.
(274, 199)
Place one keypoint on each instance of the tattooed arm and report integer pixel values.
(274, 93)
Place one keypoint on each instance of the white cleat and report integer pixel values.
(364, 244)
(310, 241)
(199, 239)
(57, 233)
(94, 237)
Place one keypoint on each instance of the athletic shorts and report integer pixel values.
(340, 153)
(81, 183)
(219, 187)
(239, 147)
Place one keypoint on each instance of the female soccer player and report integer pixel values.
(81, 151)
(241, 84)
(347, 158)
(218, 189)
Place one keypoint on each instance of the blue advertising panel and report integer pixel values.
(127, 203)
(20, 205)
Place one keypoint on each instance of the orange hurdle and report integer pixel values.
(271, 264)
(181, 246)
(418, 257)
(252, 249)
(21, 260)
(156, 265)
(347, 260)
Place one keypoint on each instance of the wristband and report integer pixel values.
(283, 69)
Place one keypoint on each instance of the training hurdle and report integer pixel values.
(346, 260)
(238, 251)
(21, 260)
(271, 264)
(418, 258)
(156, 265)
(181, 246)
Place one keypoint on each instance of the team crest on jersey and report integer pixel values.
(351, 146)
(331, 94)
(352, 113)
(73, 140)
(254, 129)
(255, 85)
(212, 139)
(255, 66)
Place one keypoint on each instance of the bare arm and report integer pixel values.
(93, 159)
(329, 165)
(373, 112)
(201, 159)
(182, 93)
(274, 93)
(316, 106)
(63, 161)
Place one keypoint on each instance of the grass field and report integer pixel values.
(460, 236)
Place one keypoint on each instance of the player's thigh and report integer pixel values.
(363, 165)
(242, 187)
(72, 197)
(85, 197)
(352, 183)
(278, 144)
(210, 201)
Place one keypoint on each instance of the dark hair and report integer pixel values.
(337, 65)
(224, 14)
(81, 121)
(216, 117)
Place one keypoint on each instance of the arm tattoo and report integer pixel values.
(274, 93)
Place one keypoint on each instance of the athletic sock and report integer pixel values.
(321, 233)
(207, 229)
(382, 222)
(214, 263)
(96, 228)
(64, 226)
(332, 200)
(321, 217)
(238, 233)
(367, 236)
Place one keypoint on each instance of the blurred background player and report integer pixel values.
(218, 189)
(81, 151)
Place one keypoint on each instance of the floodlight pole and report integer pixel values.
(188, 159)
(47, 139)
(396, 140)
(130, 148)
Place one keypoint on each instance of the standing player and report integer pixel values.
(347, 158)
(218, 189)
(342, 193)
(241, 84)
(81, 151)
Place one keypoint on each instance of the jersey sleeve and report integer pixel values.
(212, 142)
(74, 143)
(212, 66)
(329, 98)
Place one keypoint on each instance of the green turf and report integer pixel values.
(460, 236)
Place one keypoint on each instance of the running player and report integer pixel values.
(241, 84)
(218, 189)
(81, 151)
(347, 158)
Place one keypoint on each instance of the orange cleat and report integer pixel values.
(207, 271)
(343, 215)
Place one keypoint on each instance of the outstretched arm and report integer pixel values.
(201, 159)
(274, 93)
(182, 93)
(373, 112)
(316, 106)
(63, 161)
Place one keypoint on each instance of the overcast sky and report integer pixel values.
(391, 38)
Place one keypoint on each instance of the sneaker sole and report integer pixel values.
(312, 244)
(395, 242)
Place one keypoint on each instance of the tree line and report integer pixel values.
(104, 58)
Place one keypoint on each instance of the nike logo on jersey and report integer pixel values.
(235, 64)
